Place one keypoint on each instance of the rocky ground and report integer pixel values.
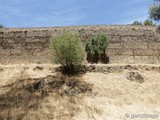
(103, 92)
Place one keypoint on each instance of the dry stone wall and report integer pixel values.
(128, 44)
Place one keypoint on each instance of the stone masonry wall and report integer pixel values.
(128, 44)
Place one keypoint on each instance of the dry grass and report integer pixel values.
(91, 96)
(21, 102)
(22, 97)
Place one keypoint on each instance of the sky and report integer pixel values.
(45, 13)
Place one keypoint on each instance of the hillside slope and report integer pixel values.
(112, 95)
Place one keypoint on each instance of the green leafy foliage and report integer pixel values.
(137, 23)
(96, 47)
(66, 49)
(154, 11)
(148, 23)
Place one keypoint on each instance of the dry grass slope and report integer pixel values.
(31, 92)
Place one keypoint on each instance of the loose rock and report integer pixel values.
(135, 76)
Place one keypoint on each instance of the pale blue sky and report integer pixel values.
(44, 13)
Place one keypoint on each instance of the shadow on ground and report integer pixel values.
(26, 95)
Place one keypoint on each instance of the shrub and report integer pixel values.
(136, 23)
(66, 49)
(96, 47)
(148, 23)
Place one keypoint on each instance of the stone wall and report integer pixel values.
(128, 44)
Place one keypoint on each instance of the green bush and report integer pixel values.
(148, 23)
(66, 49)
(137, 23)
(96, 47)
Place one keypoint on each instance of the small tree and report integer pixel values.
(148, 23)
(66, 49)
(96, 47)
(136, 23)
